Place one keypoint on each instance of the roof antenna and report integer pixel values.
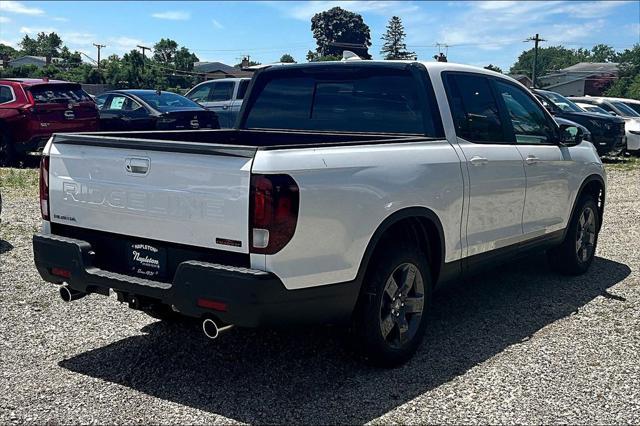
(348, 55)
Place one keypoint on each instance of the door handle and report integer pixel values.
(478, 161)
(531, 159)
(225, 107)
(137, 165)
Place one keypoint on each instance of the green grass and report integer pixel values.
(21, 179)
(626, 164)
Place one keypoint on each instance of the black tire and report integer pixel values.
(7, 152)
(164, 313)
(576, 253)
(388, 331)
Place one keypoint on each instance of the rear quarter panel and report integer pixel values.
(346, 192)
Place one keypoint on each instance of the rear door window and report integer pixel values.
(221, 91)
(242, 89)
(474, 109)
(383, 100)
(53, 93)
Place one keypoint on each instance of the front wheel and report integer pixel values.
(576, 253)
(391, 320)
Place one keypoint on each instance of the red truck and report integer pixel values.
(31, 110)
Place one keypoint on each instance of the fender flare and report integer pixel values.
(583, 185)
(388, 222)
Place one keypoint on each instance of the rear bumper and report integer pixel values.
(253, 298)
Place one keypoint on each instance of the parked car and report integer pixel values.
(223, 96)
(607, 133)
(592, 108)
(631, 103)
(347, 193)
(152, 110)
(33, 109)
(616, 108)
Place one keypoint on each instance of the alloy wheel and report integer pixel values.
(586, 235)
(402, 305)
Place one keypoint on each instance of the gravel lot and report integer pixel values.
(518, 345)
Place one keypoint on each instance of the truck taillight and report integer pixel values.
(273, 213)
(44, 187)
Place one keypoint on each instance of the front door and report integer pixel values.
(496, 174)
(547, 166)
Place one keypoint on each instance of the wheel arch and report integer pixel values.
(420, 223)
(593, 185)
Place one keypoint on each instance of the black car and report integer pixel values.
(152, 110)
(607, 132)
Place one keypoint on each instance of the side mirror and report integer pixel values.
(612, 113)
(570, 135)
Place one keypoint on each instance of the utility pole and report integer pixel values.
(537, 40)
(99, 46)
(143, 48)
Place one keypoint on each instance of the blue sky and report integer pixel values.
(478, 32)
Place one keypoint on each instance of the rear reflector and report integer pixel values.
(64, 273)
(212, 304)
(44, 187)
(273, 212)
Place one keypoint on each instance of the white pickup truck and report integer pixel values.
(349, 192)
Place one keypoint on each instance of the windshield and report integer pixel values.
(561, 102)
(167, 101)
(51, 93)
(593, 108)
(633, 106)
(624, 109)
(383, 100)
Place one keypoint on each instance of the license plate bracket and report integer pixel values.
(147, 261)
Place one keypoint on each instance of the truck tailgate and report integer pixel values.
(185, 195)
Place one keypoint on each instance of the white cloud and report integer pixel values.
(17, 7)
(36, 30)
(217, 24)
(77, 38)
(4, 20)
(173, 15)
(60, 19)
(304, 11)
(124, 44)
(10, 43)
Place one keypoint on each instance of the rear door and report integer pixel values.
(496, 174)
(153, 190)
(219, 101)
(547, 166)
(236, 105)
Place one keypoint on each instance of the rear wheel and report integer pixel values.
(7, 153)
(576, 253)
(391, 320)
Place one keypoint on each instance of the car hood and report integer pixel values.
(579, 117)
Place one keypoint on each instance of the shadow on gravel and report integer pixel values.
(307, 377)
(5, 246)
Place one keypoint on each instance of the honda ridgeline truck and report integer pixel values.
(348, 193)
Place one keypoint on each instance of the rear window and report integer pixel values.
(51, 93)
(340, 99)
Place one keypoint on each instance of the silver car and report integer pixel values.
(224, 96)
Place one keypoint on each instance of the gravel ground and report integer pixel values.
(517, 345)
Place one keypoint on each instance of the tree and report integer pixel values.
(338, 26)
(286, 58)
(602, 53)
(7, 52)
(628, 83)
(184, 59)
(493, 68)
(164, 51)
(28, 46)
(550, 59)
(394, 46)
(47, 45)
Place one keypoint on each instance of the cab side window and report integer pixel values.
(222, 91)
(530, 124)
(474, 109)
(6, 94)
(201, 93)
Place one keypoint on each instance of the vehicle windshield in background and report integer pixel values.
(633, 106)
(562, 102)
(51, 93)
(386, 101)
(167, 101)
(627, 112)
(594, 108)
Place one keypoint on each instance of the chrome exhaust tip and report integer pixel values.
(211, 329)
(67, 294)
